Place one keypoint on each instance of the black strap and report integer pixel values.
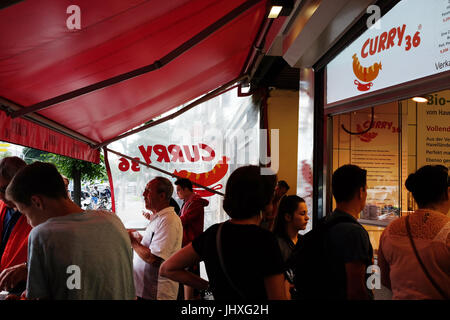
(408, 229)
(219, 252)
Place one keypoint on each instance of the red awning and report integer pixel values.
(41, 58)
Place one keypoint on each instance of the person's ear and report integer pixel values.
(287, 217)
(38, 202)
(361, 193)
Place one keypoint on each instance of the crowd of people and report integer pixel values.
(53, 249)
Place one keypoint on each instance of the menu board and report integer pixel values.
(413, 42)
(433, 130)
(377, 151)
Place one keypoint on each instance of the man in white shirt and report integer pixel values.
(162, 238)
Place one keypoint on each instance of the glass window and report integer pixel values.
(391, 141)
(192, 145)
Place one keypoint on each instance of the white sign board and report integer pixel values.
(412, 42)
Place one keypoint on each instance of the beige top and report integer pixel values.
(399, 265)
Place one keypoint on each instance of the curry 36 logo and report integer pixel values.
(383, 43)
(377, 127)
(365, 74)
(183, 153)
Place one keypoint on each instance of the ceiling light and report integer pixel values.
(420, 99)
(275, 11)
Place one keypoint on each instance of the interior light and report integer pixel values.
(274, 12)
(420, 99)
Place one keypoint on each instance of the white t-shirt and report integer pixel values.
(163, 237)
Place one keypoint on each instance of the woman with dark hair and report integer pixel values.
(243, 261)
(414, 251)
(292, 217)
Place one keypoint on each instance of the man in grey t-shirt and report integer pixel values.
(72, 254)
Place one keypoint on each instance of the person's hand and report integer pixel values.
(11, 276)
(135, 237)
(146, 214)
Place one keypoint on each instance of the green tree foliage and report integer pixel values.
(5, 154)
(67, 166)
(77, 170)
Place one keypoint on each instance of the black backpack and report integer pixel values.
(317, 274)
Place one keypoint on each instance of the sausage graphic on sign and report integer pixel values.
(365, 74)
(207, 178)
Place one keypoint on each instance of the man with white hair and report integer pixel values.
(162, 238)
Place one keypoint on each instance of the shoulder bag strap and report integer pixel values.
(219, 252)
(408, 229)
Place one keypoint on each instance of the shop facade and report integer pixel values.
(383, 103)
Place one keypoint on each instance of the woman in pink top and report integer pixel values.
(430, 229)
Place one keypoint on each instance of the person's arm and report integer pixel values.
(174, 268)
(10, 277)
(276, 287)
(356, 283)
(384, 266)
(352, 244)
(142, 251)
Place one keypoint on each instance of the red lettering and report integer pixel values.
(124, 165)
(188, 155)
(366, 124)
(381, 45)
(373, 49)
(175, 151)
(363, 49)
(161, 152)
(211, 152)
(401, 33)
(391, 36)
(135, 165)
(384, 41)
(146, 153)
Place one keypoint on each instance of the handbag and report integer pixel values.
(435, 285)
(219, 252)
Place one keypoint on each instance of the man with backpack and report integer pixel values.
(331, 260)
